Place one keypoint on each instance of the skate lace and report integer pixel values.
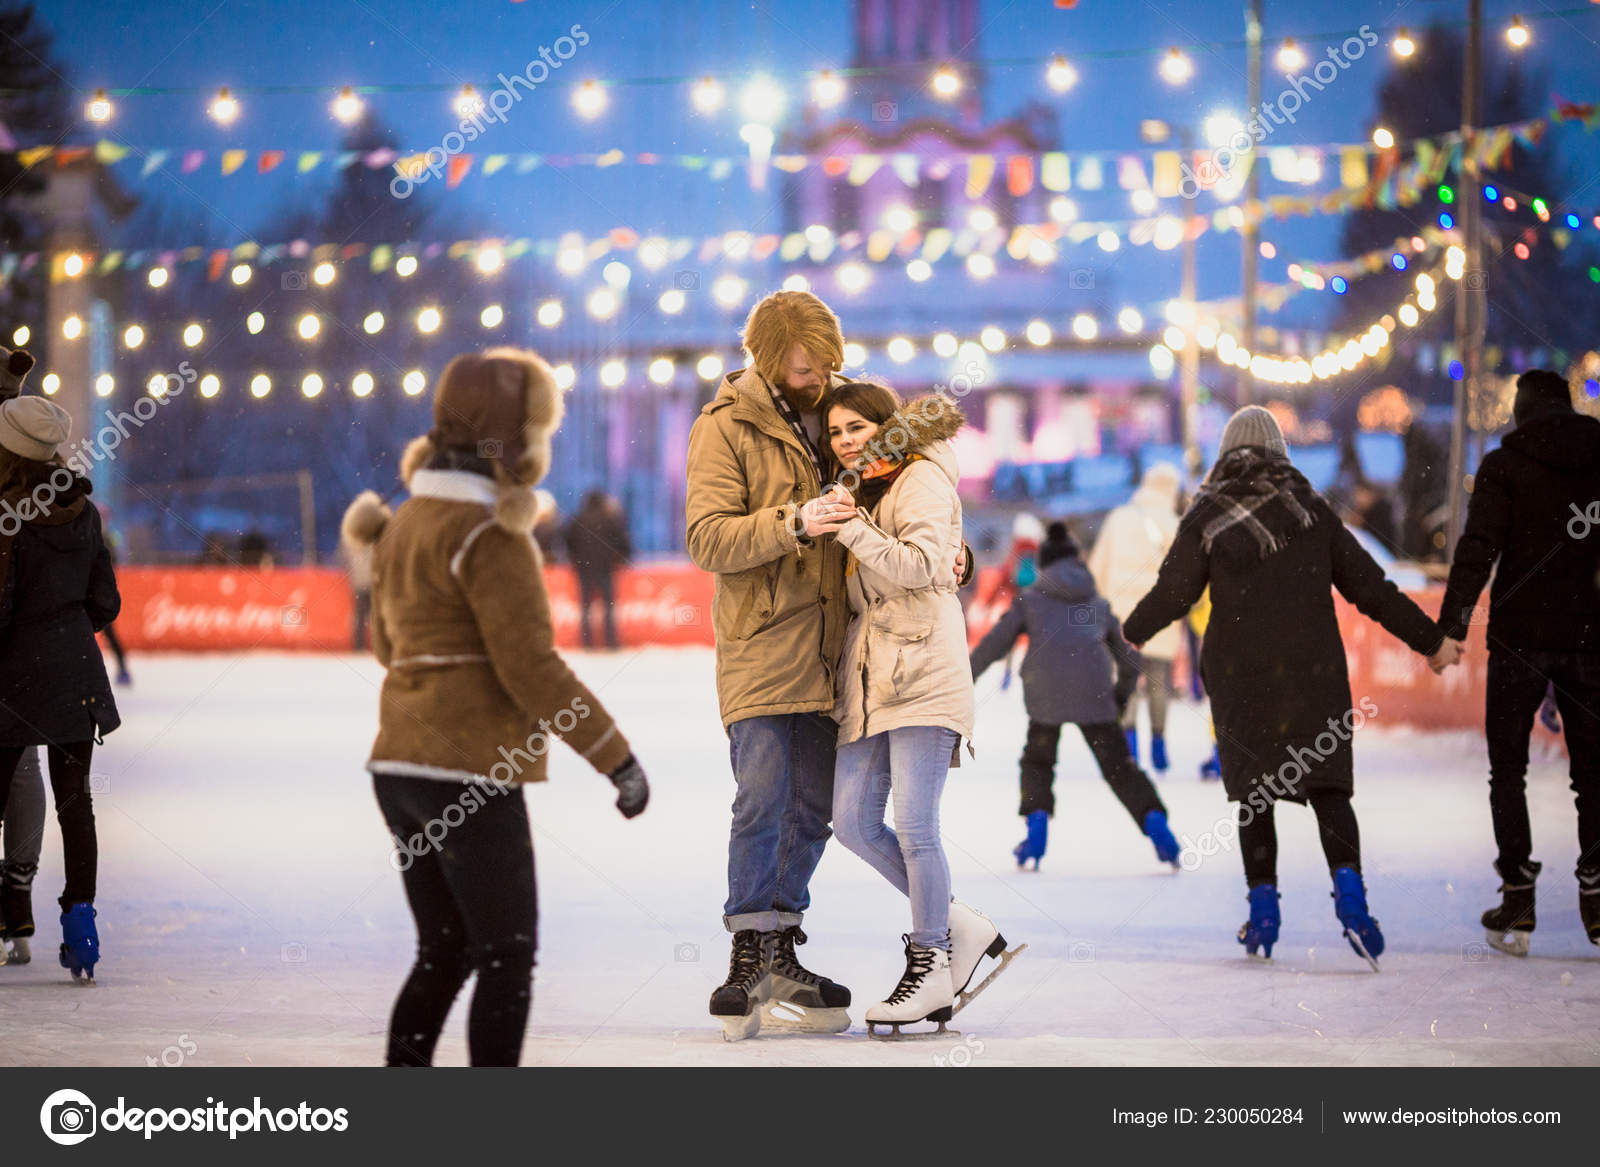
(744, 965)
(919, 963)
(785, 960)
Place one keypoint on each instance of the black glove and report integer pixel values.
(633, 791)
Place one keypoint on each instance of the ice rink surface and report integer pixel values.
(250, 915)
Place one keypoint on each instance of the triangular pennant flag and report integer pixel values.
(412, 166)
(1091, 175)
(527, 162)
(1167, 174)
(1353, 167)
(834, 166)
(152, 162)
(110, 261)
(379, 158)
(269, 160)
(34, 154)
(721, 168)
(764, 246)
(937, 243)
(380, 257)
(494, 162)
(1130, 173)
(106, 153)
(609, 158)
(1055, 172)
(217, 263)
(308, 161)
(905, 169)
(457, 170)
(880, 245)
(790, 163)
(863, 167)
(67, 155)
(233, 159)
(792, 247)
(346, 158)
(192, 160)
(980, 172)
(1019, 175)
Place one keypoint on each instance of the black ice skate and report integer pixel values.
(1589, 901)
(800, 1001)
(737, 1001)
(1509, 927)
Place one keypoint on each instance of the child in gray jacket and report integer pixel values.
(1078, 670)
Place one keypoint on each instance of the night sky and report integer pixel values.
(329, 43)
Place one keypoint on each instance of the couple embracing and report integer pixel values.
(828, 512)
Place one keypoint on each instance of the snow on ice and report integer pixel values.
(250, 913)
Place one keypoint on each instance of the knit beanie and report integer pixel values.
(33, 427)
(1540, 391)
(1058, 544)
(1253, 426)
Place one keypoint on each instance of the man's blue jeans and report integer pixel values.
(783, 765)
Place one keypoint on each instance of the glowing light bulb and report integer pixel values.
(99, 108)
(193, 335)
(361, 385)
(1382, 138)
(347, 107)
(671, 301)
(945, 83)
(992, 339)
(613, 373)
(944, 344)
(1517, 33)
(492, 316)
(1176, 67)
(589, 100)
(311, 385)
(919, 270)
(260, 385)
(468, 104)
(980, 266)
(1084, 326)
(323, 274)
(550, 313)
(406, 266)
(1060, 76)
(103, 385)
(241, 274)
(1038, 333)
(827, 89)
(708, 95)
(566, 377)
(373, 324)
(1291, 56)
(1403, 45)
(709, 367)
(490, 260)
(900, 350)
(853, 277)
(72, 327)
(413, 383)
(132, 336)
(158, 277)
(661, 370)
(602, 303)
(428, 320)
(210, 386)
(308, 326)
(224, 109)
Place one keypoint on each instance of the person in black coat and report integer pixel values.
(1272, 550)
(597, 545)
(57, 589)
(1534, 509)
(1079, 671)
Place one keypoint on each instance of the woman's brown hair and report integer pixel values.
(17, 472)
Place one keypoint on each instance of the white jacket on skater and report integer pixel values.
(1134, 539)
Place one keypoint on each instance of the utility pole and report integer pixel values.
(1249, 238)
(1470, 294)
(1189, 377)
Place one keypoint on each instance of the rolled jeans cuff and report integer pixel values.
(770, 921)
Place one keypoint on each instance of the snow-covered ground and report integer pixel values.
(250, 915)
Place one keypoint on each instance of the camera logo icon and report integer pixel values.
(294, 616)
(885, 111)
(99, 784)
(1082, 615)
(686, 953)
(1081, 952)
(293, 953)
(295, 281)
(686, 281)
(686, 616)
(68, 1117)
(491, 448)
(1474, 953)
(1081, 279)
(1477, 280)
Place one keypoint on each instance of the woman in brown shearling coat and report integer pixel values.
(474, 695)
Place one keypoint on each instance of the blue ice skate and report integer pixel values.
(1038, 834)
(1158, 753)
(1261, 929)
(1350, 905)
(1156, 829)
(80, 943)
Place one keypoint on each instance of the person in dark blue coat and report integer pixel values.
(57, 589)
(1079, 671)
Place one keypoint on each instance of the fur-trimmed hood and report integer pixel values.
(923, 426)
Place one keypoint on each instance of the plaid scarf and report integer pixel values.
(790, 415)
(1252, 505)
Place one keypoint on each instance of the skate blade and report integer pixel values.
(965, 997)
(1259, 957)
(1510, 943)
(739, 1028)
(787, 1017)
(898, 1033)
(1361, 950)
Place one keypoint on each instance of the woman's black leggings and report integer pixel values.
(466, 856)
(69, 783)
(1336, 822)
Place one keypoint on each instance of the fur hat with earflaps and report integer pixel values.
(500, 407)
(13, 368)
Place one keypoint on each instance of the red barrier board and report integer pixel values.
(222, 609)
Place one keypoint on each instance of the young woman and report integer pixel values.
(473, 697)
(904, 688)
(1272, 550)
(57, 590)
